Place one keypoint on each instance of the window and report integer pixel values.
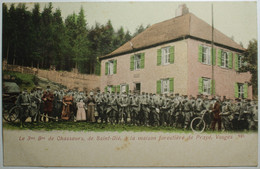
(224, 59)
(240, 90)
(206, 86)
(137, 88)
(165, 86)
(137, 61)
(206, 55)
(110, 67)
(240, 58)
(124, 88)
(165, 56)
(109, 89)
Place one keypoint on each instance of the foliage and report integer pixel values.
(251, 64)
(23, 80)
(43, 39)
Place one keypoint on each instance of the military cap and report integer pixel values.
(238, 99)
(176, 94)
(48, 87)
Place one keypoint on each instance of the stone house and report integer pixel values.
(176, 56)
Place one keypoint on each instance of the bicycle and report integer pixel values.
(198, 124)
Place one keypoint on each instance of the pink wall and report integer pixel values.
(224, 78)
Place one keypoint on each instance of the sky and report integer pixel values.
(237, 19)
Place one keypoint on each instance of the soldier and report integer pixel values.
(24, 102)
(91, 108)
(179, 115)
(154, 111)
(57, 104)
(34, 111)
(236, 113)
(134, 109)
(187, 109)
(112, 108)
(123, 108)
(226, 114)
(165, 111)
(38, 96)
(99, 106)
(47, 98)
(144, 110)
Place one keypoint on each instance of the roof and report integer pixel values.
(172, 29)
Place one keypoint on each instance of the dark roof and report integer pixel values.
(172, 29)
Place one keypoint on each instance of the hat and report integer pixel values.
(48, 87)
(176, 94)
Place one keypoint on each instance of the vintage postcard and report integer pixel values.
(129, 84)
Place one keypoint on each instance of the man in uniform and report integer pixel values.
(187, 109)
(112, 108)
(24, 101)
(165, 111)
(123, 108)
(134, 109)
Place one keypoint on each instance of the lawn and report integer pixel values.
(97, 127)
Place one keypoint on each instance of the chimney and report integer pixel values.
(181, 10)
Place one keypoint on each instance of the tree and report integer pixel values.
(250, 65)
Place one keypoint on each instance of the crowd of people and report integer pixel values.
(138, 109)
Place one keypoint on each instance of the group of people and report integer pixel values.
(139, 109)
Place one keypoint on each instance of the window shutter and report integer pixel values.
(106, 68)
(171, 84)
(236, 61)
(158, 86)
(132, 62)
(115, 66)
(219, 57)
(172, 54)
(113, 89)
(142, 60)
(236, 90)
(212, 87)
(159, 57)
(127, 88)
(200, 85)
(230, 60)
(214, 56)
(245, 90)
(118, 88)
(200, 54)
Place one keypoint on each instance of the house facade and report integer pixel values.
(176, 56)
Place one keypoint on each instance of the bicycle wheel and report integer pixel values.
(198, 125)
(13, 114)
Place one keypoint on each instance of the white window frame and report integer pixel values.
(224, 59)
(165, 86)
(109, 89)
(206, 86)
(240, 90)
(122, 88)
(110, 67)
(165, 59)
(206, 55)
(137, 61)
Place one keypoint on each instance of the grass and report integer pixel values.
(97, 127)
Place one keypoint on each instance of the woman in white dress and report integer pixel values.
(81, 114)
